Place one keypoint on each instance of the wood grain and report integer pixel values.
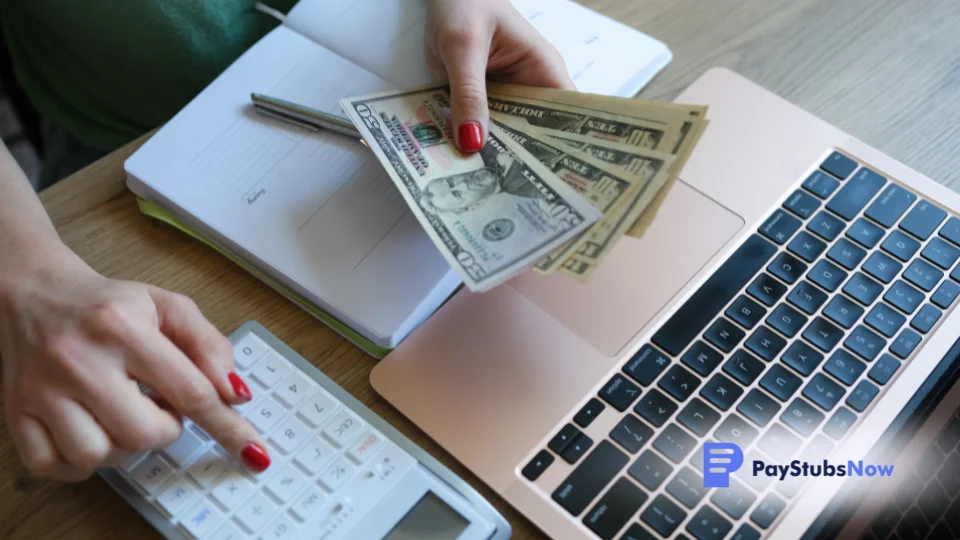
(886, 71)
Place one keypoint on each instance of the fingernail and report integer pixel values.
(471, 138)
(255, 457)
(239, 387)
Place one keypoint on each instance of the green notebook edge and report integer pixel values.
(161, 214)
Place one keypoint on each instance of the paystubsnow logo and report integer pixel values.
(721, 459)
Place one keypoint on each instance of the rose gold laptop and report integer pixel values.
(792, 300)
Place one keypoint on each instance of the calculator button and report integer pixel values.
(228, 531)
(177, 496)
(315, 455)
(201, 519)
(337, 474)
(184, 448)
(317, 409)
(254, 515)
(248, 350)
(366, 446)
(343, 428)
(233, 488)
(286, 484)
(270, 370)
(266, 414)
(152, 473)
(288, 435)
(283, 527)
(132, 461)
(308, 504)
(293, 389)
(207, 468)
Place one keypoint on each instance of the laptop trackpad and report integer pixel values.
(640, 275)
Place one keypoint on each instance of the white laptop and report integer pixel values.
(794, 294)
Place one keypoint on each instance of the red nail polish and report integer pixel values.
(239, 387)
(471, 139)
(255, 457)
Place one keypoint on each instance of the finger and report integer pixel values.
(136, 422)
(79, 437)
(164, 368)
(39, 454)
(182, 322)
(464, 54)
(543, 67)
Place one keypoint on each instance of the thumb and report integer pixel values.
(465, 59)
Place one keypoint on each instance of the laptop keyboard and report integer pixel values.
(780, 350)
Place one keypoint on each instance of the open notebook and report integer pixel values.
(313, 214)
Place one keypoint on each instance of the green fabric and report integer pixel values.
(108, 71)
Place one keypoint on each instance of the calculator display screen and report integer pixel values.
(429, 519)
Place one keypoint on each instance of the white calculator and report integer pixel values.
(338, 471)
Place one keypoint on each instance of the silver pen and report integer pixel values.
(305, 117)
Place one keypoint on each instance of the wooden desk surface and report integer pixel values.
(886, 71)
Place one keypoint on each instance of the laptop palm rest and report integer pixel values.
(640, 276)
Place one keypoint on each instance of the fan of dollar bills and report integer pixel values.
(562, 176)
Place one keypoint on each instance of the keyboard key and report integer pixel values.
(701, 358)
(950, 437)
(865, 343)
(270, 370)
(951, 230)
(736, 430)
(926, 318)
(929, 463)
(563, 438)
(746, 532)
(207, 468)
(650, 469)
(862, 395)
(923, 275)
(844, 367)
(315, 456)
(885, 320)
(176, 496)
(637, 532)
(620, 393)
(949, 475)
(589, 413)
(289, 435)
(655, 407)
(823, 392)
(827, 275)
(698, 417)
(715, 293)
(768, 511)
(577, 448)
(802, 358)
(674, 443)
(758, 407)
(646, 365)
(863, 289)
(152, 473)
(318, 409)
(293, 389)
(286, 484)
(846, 254)
(663, 516)
(904, 297)
(590, 477)
(946, 293)
(923, 219)
(744, 367)
(266, 414)
(839, 165)
(631, 433)
(786, 267)
(802, 417)
(537, 465)
(843, 311)
(890, 205)
(826, 226)
(802, 204)
(839, 423)
(679, 382)
(905, 343)
(760, 482)
(724, 335)
(780, 226)
(908, 491)
(707, 524)
(687, 487)
(765, 343)
(856, 193)
(807, 297)
(882, 267)
(806, 246)
(202, 519)
(767, 290)
(820, 184)
(900, 245)
(865, 233)
(615, 508)
(233, 488)
(734, 500)
(787, 320)
(941, 253)
(254, 514)
(248, 350)
(337, 474)
(746, 312)
(823, 334)
(884, 369)
(184, 448)
(779, 443)
(913, 526)
(721, 391)
(780, 382)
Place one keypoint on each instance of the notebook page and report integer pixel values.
(315, 208)
(603, 56)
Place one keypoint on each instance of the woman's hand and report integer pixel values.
(470, 40)
(74, 345)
